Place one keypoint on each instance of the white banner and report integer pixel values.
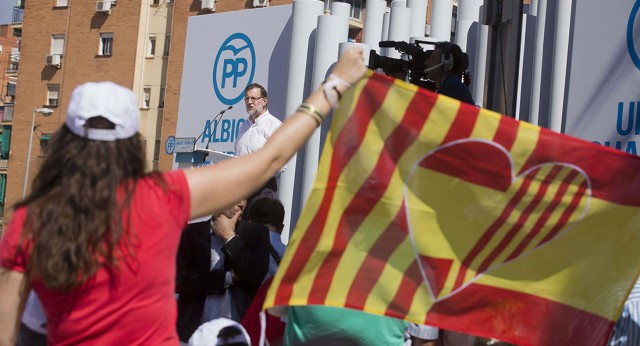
(603, 89)
(224, 53)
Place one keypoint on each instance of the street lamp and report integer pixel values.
(45, 113)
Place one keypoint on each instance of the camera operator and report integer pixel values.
(445, 67)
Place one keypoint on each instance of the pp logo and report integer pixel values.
(170, 145)
(633, 52)
(233, 68)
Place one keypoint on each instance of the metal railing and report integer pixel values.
(18, 14)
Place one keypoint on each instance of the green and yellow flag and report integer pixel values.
(437, 212)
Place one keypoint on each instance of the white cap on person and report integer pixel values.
(106, 99)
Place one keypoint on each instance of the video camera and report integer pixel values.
(413, 67)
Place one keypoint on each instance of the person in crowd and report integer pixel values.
(97, 237)
(33, 330)
(220, 265)
(259, 324)
(270, 213)
(220, 332)
(259, 126)
(446, 66)
(306, 323)
(627, 328)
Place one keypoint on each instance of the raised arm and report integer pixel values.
(216, 187)
(13, 297)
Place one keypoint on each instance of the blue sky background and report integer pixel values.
(6, 11)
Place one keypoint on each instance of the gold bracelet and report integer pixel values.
(312, 111)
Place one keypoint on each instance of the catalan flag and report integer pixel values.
(434, 211)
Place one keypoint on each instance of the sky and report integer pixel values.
(6, 11)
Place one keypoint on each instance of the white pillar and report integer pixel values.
(373, 20)
(399, 25)
(538, 51)
(418, 17)
(441, 13)
(560, 56)
(341, 9)
(468, 13)
(480, 68)
(332, 30)
(304, 19)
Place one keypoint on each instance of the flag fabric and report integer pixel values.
(437, 212)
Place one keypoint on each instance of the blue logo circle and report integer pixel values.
(170, 145)
(630, 45)
(233, 68)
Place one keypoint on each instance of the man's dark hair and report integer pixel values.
(267, 211)
(460, 59)
(231, 336)
(263, 91)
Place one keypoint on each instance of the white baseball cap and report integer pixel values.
(109, 100)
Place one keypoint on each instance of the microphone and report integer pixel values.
(218, 118)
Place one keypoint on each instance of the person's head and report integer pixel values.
(238, 207)
(447, 59)
(255, 100)
(268, 212)
(72, 210)
(220, 332)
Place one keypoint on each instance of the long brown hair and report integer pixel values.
(74, 211)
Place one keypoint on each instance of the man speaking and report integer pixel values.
(256, 131)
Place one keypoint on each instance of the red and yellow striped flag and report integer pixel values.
(433, 211)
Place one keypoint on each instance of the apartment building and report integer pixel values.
(65, 43)
(9, 60)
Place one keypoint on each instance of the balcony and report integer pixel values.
(7, 117)
(4, 165)
(16, 20)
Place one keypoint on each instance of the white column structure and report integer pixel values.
(373, 21)
(560, 57)
(480, 68)
(468, 13)
(341, 9)
(332, 30)
(538, 58)
(441, 11)
(304, 19)
(399, 25)
(418, 17)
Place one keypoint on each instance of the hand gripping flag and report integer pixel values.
(434, 211)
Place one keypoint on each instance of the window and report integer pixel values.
(155, 2)
(53, 94)
(106, 44)
(151, 50)
(62, 3)
(163, 91)
(57, 44)
(146, 100)
(169, 1)
(167, 45)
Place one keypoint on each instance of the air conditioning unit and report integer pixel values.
(208, 5)
(103, 6)
(260, 3)
(53, 60)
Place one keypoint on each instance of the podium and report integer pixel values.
(201, 157)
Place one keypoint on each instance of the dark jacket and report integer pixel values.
(247, 254)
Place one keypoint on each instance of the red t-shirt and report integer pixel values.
(136, 305)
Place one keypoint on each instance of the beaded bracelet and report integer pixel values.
(312, 111)
(331, 84)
